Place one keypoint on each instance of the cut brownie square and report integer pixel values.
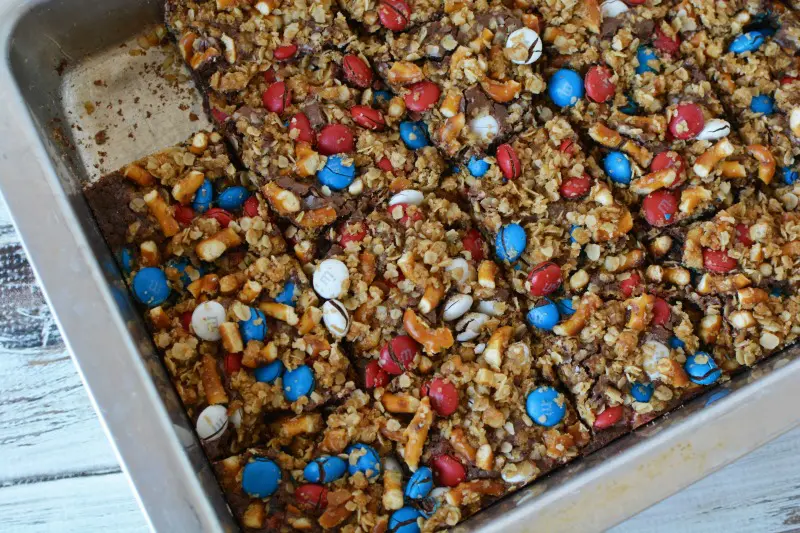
(227, 42)
(468, 80)
(229, 311)
(627, 360)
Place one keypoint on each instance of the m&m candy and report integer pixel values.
(510, 242)
(599, 86)
(203, 197)
(565, 88)
(399, 354)
(508, 162)
(269, 372)
(420, 484)
(150, 286)
(325, 469)
(357, 72)
(260, 478)
(405, 520)
(364, 459)
(702, 369)
(254, 328)
(232, 198)
(763, 104)
(747, 42)
(544, 316)
(477, 167)
(298, 383)
(544, 279)
(335, 139)
(642, 392)
(414, 134)
(618, 167)
(447, 470)
(546, 406)
(659, 208)
(338, 172)
(647, 59)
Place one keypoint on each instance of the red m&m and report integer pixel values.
(669, 160)
(687, 121)
(575, 187)
(394, 14)
(718, 261)
(661, 312)
(282, 53)
(232, 363)
(628, 284)
(659, 208)
(356, 71)
(422, 96)
(277, 97)
(743, 234)
(609, 417)
(473, 243)
(443, 395)
(665, 43)
(250, 207)
(599, 86)
(300, 128)
(447, 471)
(399, 354)
(366, 117)
(508, 162)
(220, 215)
(352, 232)
(311, 496)
(375, 376)
(544, 279)
(335, 139)
(184, 214)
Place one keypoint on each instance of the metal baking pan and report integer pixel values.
(78, 97)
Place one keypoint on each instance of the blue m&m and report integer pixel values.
(546, 406)
(618, 167)
(702, 369)
(181, 264)
(203, 197)
(565, 307)
(789, 176)
(126, 260)
(631, 107)
(368, 461)
(338, 172)
(325, 469)
(150, 286)
(763, 104)
(261, 477)
(404, 521)
(565, 87)
(544, 316)
(269, 372)
(420, 484)
(477, 167)
(414, 134)
(510, 242)
(298, 383)
(642, 392)
(675, 343)
(254, 328)
(645, 56)
(747, 42)
(232, 198)
(381, 97)
(286, 296)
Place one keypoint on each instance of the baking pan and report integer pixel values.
(80, 95)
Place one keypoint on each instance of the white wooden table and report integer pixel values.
(58, 473)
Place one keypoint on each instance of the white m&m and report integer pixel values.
(330, 279)
(206, 319)
(212, 422)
